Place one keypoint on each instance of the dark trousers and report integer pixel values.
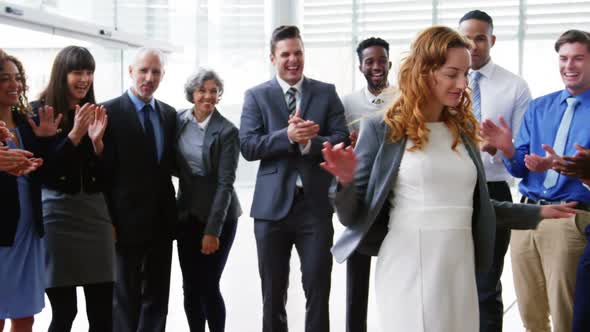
(312, 237)
(489, 287)
(142, 289)
(581, 322)
(358, 271)
(64, 307)
(201, 274)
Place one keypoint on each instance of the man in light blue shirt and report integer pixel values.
(544, 260)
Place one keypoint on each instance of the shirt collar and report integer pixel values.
(487, 70)
(583, 97)
(138, 103)
(191, 117)
(372, 99)
(285, 86)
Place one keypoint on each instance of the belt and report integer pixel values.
(579, 206)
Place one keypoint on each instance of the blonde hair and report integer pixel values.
(428, 53)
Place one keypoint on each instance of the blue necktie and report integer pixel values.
(291, 100)
(561, 139)
(150, 135)
(475, 94)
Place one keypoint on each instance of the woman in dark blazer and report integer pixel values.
(79, 235)
(22, 271)
(208, 207)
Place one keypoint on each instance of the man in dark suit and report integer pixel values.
(284, 124)
(138, 155)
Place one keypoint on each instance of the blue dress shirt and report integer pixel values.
(539, 126)
(154, 118)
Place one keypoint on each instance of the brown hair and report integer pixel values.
(573, 36)
(22, 108)
(283, 32)
(427, 54)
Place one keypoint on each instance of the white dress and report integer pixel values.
(425, 274)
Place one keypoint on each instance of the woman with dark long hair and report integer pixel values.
(79, 235)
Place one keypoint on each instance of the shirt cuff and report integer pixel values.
(304, 149)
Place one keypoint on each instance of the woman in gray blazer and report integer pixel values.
(414, 191)
(208, 207)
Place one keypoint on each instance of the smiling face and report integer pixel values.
(480, 33)
(288, 60)
(375, 67)
(574, 67)
(206, 97)
(146, 74)
(79, 83)
(448, 83)
(10, 84)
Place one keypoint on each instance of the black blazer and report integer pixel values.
(71, 169)
(138, 190)
(210, 198)
(10, 204)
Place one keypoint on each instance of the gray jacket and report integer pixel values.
(364, 207)
(211, 198)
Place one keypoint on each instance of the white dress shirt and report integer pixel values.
(362, 103)
(506, 94)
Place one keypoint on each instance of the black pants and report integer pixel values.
(201, 274)
(142, 289)
(489, 287)
(99, 302)
(358, 272)
(312, 237)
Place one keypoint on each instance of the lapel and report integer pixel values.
(130, 117)
(277, 100)
(389, 158)
(306, 97)
(211, 133)
(475, 157)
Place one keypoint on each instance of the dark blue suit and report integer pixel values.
(284, 215)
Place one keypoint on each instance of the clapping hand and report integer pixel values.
(96, 129)
(83, 117)
(18, 162)
(339, 161)
(536, 163)
(300, 130)
(499, 137)
(48, 124)
(5, 133)
(578, 165)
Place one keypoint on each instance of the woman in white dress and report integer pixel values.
(421, 163)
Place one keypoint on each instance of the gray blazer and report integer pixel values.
(263, 136)
(211, 198)
(363, 207)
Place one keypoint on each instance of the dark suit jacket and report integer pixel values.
(358, 206)
(10, 204)
(263, 136)
(138, 190)
(210, 198)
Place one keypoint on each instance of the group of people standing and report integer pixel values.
(418, 174)
(88, 198)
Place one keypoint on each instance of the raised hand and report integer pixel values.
(300, 130)
(578, 165)
(48, 124)
(558, 211)
(83, 117)
(499, 137)
(96, 129)
(339, 161)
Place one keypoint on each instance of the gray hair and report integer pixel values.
(197, 80)
(149, 50)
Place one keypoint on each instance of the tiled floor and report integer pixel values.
(241, 288)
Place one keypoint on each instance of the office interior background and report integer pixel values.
(231, 37)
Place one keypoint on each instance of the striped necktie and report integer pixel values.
(291, 100)
(561, 139)
(475, 94)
